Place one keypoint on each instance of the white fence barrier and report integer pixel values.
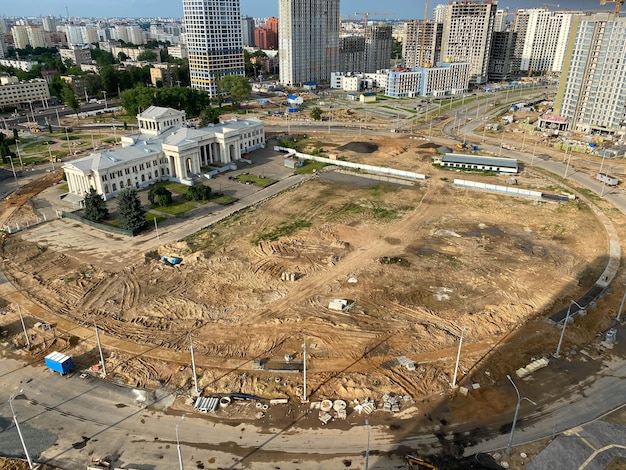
(497, 188)
(357, 166)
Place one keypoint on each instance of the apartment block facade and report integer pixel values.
(214, 41)
(421, 36)
(308, 40)
(592, 89)
(466, 37)
(541, 39)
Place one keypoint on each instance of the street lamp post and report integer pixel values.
(19, 155)
(180, 452)
(193, 366)
(104, 369)
(17, 185)
(367, 450)
(50, 154)
(19, 431)
(519, 402)
(105, 99)
(621, 306)
(458, 356)
(19, 312)
(569, 309)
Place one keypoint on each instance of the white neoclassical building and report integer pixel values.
(163, 150)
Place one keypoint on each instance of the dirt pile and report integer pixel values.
(360, 147)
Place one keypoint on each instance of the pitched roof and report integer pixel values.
(154, 112)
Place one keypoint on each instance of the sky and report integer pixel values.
(404, 9)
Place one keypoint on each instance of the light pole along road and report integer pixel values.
(87, 416)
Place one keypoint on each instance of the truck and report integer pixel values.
(607, 179)
(59, 362)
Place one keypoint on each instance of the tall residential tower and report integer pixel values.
(214, 41)
(467, 30)
(308, 40)
(592, 90)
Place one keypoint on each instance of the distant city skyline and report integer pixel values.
(402, 9)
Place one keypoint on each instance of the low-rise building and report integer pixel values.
(478, 163)
(78, 55)
(13, 92)
(164, 149)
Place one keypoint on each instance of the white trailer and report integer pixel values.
(607, 179)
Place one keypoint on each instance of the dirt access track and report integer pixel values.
(419, 262)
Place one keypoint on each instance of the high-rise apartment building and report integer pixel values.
(28, 35)
(214, 42)
(421, 38)
(351, 54)
(378, 42)
(247, 31)
(267, 37)
(502, 53)
(541, 39)
(592, 90)
(466, 37)
(49, 23)
(308, 40)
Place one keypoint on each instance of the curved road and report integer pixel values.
(67, 420)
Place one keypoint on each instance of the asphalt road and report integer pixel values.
(66, 420)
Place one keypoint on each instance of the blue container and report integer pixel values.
(59, 362)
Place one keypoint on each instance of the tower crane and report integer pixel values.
(618, 4)
(366, 15)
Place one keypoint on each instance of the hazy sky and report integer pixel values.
(257, 8)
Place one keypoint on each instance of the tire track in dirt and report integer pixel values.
(351, 262)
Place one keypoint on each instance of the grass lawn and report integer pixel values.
(255, 180)
(150, 218)
(172, 187)
(38, 146)
(225, 200)
(175, 208)
(310, 166)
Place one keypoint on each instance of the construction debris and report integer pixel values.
(532, 367)
(406, 362)
(367, 407)
(392, 402)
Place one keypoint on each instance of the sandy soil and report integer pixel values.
(420, 263)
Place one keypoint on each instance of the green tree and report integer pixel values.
(70, 100)
(209, 115)
(95, 207)
(147, 56)
(199, 193)
(316, 114)
(160, 196)
(122, 57)
(237, 87)
(131, 215)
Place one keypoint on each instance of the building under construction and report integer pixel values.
(421, 46)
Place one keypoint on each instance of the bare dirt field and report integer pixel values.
(419, 263)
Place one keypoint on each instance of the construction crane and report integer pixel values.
(618, 4)
(366, 15)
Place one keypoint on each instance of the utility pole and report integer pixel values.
(193, 365)
(19, 311)
(458, 357)
(304, 397)
(104, 369)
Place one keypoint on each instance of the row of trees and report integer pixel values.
(131, 215)
(192, 101)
